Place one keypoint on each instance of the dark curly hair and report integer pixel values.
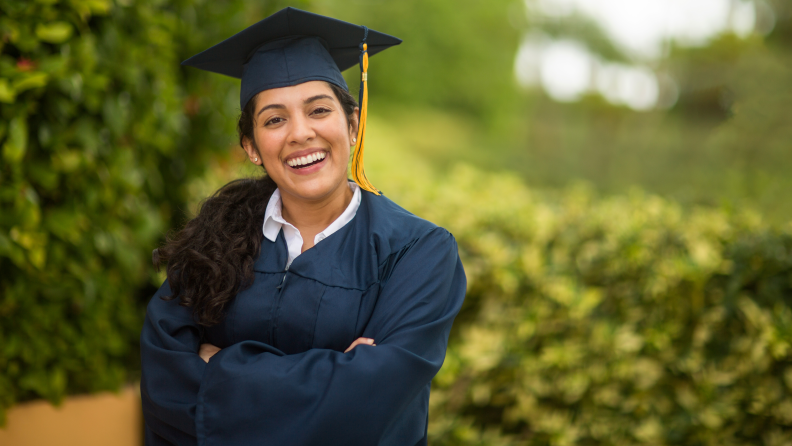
(211, 258)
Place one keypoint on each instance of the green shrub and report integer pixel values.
(601, 321)
(607, 321)
(99, 128)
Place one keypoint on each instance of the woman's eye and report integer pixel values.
(320, 111)
(274, 120)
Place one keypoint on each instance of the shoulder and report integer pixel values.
(393, 229)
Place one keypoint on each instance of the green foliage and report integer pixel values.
(99, 127)
(456, 55)
(724, 143)
(612, 321)
(79, 182)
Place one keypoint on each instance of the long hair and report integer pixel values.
(211, 258)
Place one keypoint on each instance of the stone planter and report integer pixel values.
(91, 420)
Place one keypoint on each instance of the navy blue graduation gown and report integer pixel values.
(282, 377)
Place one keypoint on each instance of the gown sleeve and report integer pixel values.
(171, 371)
(251, 393)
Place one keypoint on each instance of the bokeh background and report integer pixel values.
(618, 174)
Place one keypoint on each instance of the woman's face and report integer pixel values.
(303, 139)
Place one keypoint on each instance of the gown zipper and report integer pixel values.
(283, 282)
(276, 314)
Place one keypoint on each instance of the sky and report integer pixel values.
(567, 70)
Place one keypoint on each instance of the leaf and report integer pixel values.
(14, 148)
(56, 32)
(32, 80)
(7, 93)
(98, 6)
(5, 244)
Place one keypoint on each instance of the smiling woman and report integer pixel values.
(300, 308)
(302, 137)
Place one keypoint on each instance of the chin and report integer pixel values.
(316, 189)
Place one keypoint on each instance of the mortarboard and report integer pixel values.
(291, 47)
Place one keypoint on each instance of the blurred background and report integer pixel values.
(616, 172)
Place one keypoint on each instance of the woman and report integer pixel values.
(300, 308)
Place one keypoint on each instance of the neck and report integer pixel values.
(312, 216)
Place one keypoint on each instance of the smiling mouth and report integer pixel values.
(307, 160)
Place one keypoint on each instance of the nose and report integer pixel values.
(302, 130)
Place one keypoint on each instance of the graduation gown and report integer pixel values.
(282, 377)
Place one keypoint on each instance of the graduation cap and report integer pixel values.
(291, 47)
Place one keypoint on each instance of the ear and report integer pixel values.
(353, 125)
(252, 151)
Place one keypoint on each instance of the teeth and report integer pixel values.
(303, 160)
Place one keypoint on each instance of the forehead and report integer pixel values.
(294, 95)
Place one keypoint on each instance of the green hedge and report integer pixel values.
(99, 129)
(612, 321)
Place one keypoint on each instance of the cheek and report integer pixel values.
(342, 146)
(270, 145)
(341, 133)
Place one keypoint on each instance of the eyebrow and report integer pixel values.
(281, 106)
(307, 101)
(316, 98)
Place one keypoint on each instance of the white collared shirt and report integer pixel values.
(274, 222)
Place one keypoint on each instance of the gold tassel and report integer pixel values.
(358, 173)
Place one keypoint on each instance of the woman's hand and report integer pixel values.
(358, 341)
(207, 351)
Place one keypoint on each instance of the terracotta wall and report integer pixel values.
(95, 420)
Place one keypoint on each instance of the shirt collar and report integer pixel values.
(273, 216)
